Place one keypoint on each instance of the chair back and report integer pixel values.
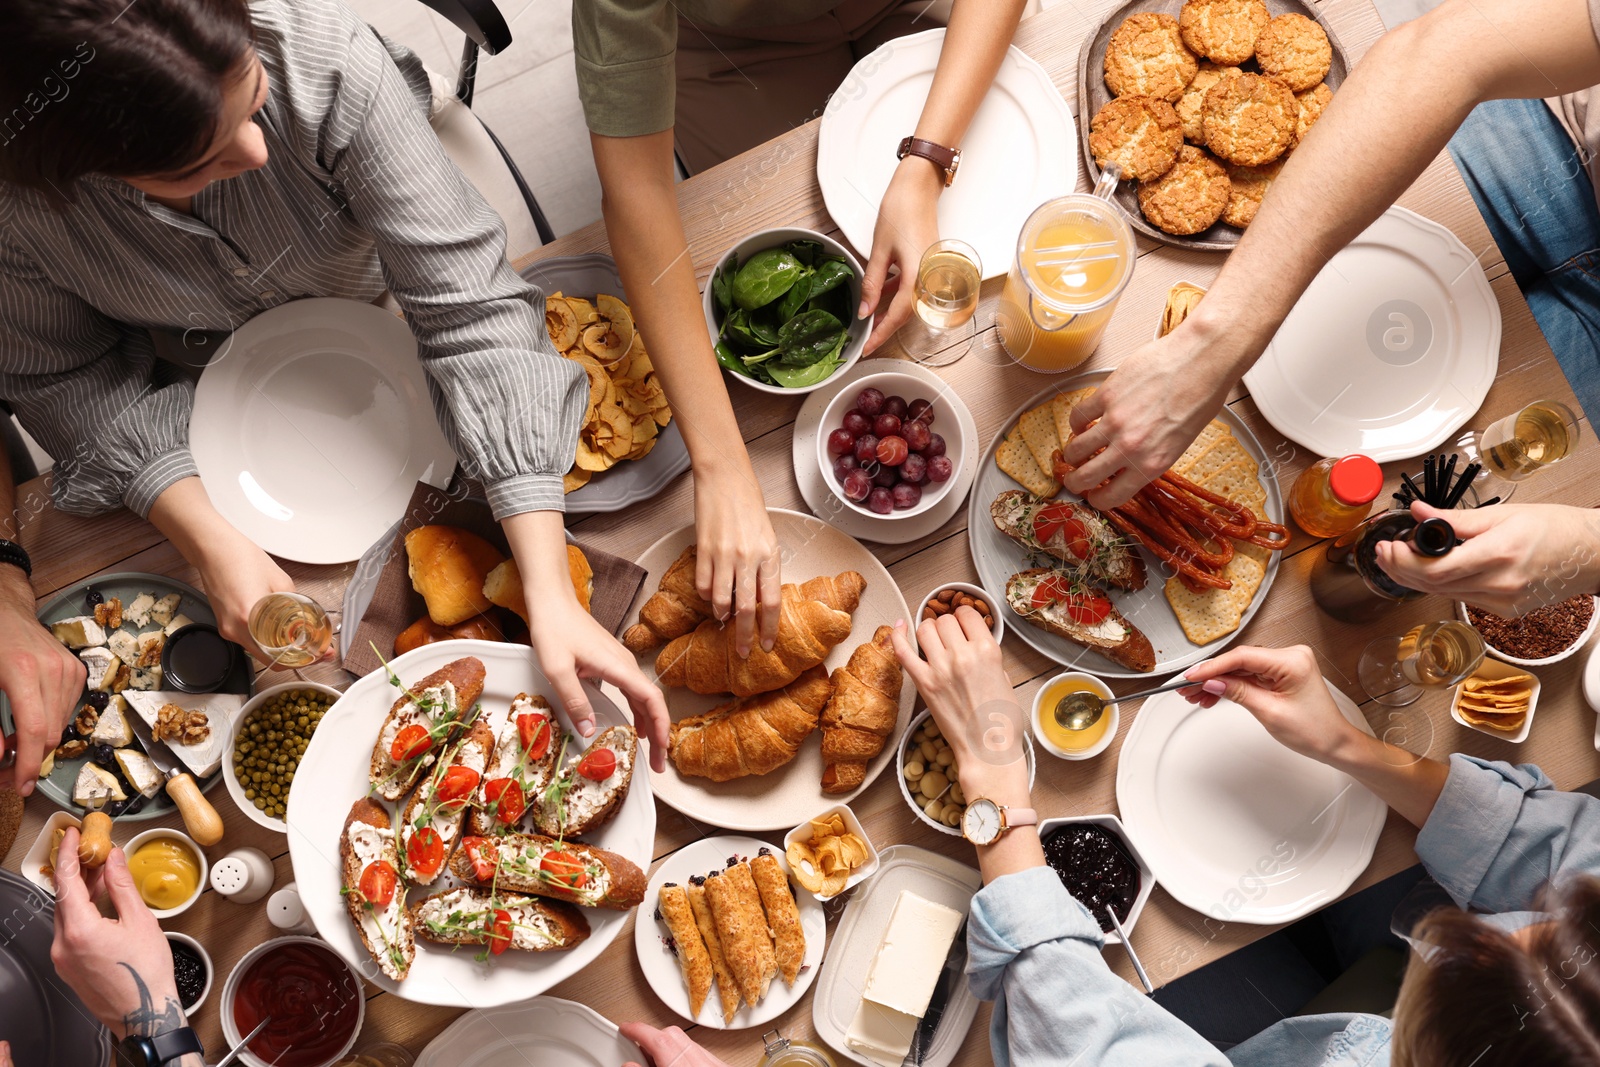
(480, 20)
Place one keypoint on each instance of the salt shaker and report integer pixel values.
(288, 913)
(244, 875)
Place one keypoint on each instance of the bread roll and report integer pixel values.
(448, 566)
(503, 585)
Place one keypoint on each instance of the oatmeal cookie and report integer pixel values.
(1141, 134)
(1188, 198)
(1295, 50)
(1192, 104)
(1247, 187)
(1312, 101)
(1146, 57)
(1224, 31)
(1250, 120)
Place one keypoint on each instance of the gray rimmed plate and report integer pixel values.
(45, 1022)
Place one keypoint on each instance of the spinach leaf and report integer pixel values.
(722, 284)
(799, 377)
(830, 272)
(796, 297)
(764, 278)
(807, 252)
(809, 337)
(730, 360)
(764, 327)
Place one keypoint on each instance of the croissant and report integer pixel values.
(754, 735)
(706, 660)
(673, 609)
(861, 714)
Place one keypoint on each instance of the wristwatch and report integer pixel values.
(985, 822)
(946, 159)
(16, 555)
(163, 1048)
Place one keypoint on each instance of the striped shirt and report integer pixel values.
(357, 197)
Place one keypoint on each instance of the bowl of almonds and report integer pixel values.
(946, 598)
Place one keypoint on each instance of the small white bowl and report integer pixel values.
(999, 628)
(39, 852)
(1570, 650)
(230, 989)
(1147, 878)
(1591, 682)
(235, 787)
(777, 238)
(1491, 668)
(947, 413)
(905, 790)
(1113, 713)
(165, 833)
(205, 958)
(851, 825)
(1181, 281)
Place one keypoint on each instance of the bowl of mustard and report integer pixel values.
(1074, 744)
(168, 869)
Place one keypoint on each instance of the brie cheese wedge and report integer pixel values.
(140, 771)
(80, 631)
(112, 728)
(101, 664)
(96, 787)
(220, 708)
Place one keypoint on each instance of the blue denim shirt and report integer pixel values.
(1497, 834)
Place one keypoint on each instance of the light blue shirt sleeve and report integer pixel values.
(1499, 832)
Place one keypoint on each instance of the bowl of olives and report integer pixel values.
(270, 734)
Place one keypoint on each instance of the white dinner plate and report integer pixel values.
(813, 482)
(997, 558)
(312, 427)
(1020, 150)
(1389, 351)
(542, 1032)
(333, 774)
(660, 965)
(786, 796)
(1234, 824)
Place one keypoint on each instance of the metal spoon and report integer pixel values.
(251, 1036)
(1133, 957)
(1081, 710)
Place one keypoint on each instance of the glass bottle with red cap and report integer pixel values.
(1334, 495)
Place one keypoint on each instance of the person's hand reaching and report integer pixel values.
(908, 222)
(737, 565)
(1283, 688)
(667, 1048)
(40, 678)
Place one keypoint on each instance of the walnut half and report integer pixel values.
(86, 719)
(177, 724)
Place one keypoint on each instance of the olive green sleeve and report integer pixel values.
(625, 51)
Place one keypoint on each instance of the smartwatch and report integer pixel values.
(16, 555)
(160, 1049)
(985, 822)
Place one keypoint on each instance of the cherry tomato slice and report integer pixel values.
(480, 854)
(456, 786)
(1058, 519)
(598, 764)
(1049, 591)
(564, 869)
(1082, 606)
(1087, 609)
(425, 852)
(534, 731)
(500, 932)
(507, 797)
(377, 883)
(411, 742)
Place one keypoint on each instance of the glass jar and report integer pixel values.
(1333, 495)
(781, 1052)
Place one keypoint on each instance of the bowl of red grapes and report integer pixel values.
(883, 445)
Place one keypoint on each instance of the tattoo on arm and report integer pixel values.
(148, 1020)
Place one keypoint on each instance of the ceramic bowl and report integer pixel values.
(38, 856)
(1492, 668)
(1570, 650)
(999, 627)
(851, 825)
(947, 414)
(1113, 713)
(205, 958)
(164, 833)
(905, 790)
(230, 989)
(1147, 878)
(235, 787)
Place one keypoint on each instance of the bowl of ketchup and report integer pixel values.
(313, 997)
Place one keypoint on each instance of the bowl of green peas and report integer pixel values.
(270, 734)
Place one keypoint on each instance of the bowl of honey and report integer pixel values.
(168, 869)
(1073, 744)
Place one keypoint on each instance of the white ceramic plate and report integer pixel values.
(1021, 149)
(1389, 351)
(313, 426)
(660, 966)
(860, 932)
(542, 1032)
(813, 482)
(1235, 825)
(333, 775)
(997, 558)
(778, 800)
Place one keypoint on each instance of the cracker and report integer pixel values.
(1038, 429)
(1214, 429)
(1216, 613)
(1013, 457)
(1239, 481)
(1061, 406)
(1223, 451)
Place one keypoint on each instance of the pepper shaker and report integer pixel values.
(244, 875)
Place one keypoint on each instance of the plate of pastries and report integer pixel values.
(759, 740)
(1201, 102)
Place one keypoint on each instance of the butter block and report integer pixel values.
(881, 1034)
(909, 960)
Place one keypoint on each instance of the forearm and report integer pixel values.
(1407, 782)
(975, 43)
(185, 514)
(538, 543)
(1019, 849)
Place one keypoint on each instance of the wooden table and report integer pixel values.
(775, 185)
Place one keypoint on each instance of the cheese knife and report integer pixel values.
(200, 819)
(955, 962)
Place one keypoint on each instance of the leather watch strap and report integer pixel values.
(946, 159)
(1016, 817)
(16, 555)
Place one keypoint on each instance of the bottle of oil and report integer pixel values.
(1333, 495)
(1346, 581)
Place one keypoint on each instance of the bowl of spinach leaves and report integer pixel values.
(781, 308)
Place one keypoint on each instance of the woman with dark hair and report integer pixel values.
(172, 167)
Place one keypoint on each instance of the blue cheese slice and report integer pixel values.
(147, 678)
(909, 960)
(220, 708)
(80, 631)
(178, 622)
(161, 612)
(102, 664)
(124, 645)
(96, 787)
(140, 771)
(112, 728)
(138, 612)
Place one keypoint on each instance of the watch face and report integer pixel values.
(980, 823)
(138, 1051)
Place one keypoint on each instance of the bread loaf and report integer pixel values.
(448, 566)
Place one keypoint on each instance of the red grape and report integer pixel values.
(840, 442)
(866, 448)
(885, 475)
(940, 469)
(869, 402)
(906, 495)
(922, 410)
(843, 466)
(857, 485)
(914, 469)
(884, 425)
(917, 435)
(857, 423)
(892, 450)
(935, 446)
(894, 405)
(881, 500)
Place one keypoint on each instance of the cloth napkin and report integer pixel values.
(395, 605)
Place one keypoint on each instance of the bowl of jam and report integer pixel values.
(313, 996)
(191, 969)
(1094, 859)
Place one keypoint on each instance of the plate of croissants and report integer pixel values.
(758, 741)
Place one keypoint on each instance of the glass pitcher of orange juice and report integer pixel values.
(1074, 257)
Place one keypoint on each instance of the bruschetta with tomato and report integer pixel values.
(433, 817)
(500, 921)
(523, 765)
(1072, 609)
(558, 870)
(591, 787)
(422, 723)
(1074, 533)
(373, 892)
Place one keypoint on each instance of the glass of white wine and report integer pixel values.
(1520, 445)
(944, 324)
(292, 630)
(1433, 655)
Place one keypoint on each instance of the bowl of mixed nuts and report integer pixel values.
(947, 598)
